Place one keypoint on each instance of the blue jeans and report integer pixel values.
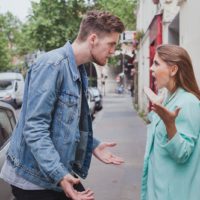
(21, 194)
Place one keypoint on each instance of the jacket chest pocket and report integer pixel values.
(67, 108)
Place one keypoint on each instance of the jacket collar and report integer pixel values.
(72, 62)
(169, 100)
(78, 72)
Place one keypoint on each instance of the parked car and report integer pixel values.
(7, 124)
(12, 88)
(91, 103)
(97, 97)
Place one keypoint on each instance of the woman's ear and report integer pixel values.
(174, 70)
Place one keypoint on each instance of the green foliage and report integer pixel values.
(54, 22)
(11, 28)
(25, 44)
(114, 61)
(4, 51)
(122, 8)
(51, 24)
(9, 40)
(139, 35)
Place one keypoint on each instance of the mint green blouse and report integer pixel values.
(172, 167)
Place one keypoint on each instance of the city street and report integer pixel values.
(118, 122)
(136, 54)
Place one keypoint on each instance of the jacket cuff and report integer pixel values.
(171, 145)
(58, 174)
(95, 143)
(176, 149)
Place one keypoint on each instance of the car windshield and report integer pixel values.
(6, 84)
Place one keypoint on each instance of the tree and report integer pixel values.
(25, 44)
(4, 51)
(4, 54)
(54, 22)
(10, 27)
(122, 8)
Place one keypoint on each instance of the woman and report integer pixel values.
(172, 157)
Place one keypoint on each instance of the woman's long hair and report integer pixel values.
(176, 55)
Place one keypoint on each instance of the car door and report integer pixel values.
(7, 124)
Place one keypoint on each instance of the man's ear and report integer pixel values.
(92, 38)
(174, 70)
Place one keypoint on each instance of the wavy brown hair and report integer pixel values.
(176, 55)
(101, 23)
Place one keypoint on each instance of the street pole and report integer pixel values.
(123, 69)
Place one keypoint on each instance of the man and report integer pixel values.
(52, 142)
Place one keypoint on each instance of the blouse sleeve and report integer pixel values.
(181, 146)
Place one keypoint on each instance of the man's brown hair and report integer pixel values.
(101, 23)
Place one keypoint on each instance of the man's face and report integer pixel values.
(103, 47)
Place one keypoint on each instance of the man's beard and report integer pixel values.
(95, 60)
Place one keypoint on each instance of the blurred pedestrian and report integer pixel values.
(172, 157)
(53, 141)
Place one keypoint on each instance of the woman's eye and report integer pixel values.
(156, 63)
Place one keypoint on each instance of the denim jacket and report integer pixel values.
(48, 141)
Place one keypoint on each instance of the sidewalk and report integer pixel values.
(118, 122)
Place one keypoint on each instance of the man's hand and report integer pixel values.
(67, 184)
(106, 156)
